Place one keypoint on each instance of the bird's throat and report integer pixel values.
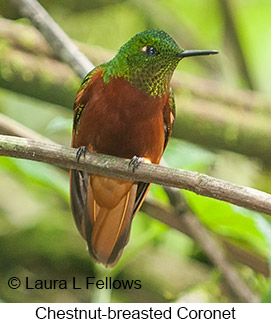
(150, 82)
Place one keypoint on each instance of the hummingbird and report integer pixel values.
(124, 108)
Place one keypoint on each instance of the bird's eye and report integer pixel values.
(149, 50)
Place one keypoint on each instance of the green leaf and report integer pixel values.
(248, 229)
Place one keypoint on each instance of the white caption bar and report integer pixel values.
(139, 312)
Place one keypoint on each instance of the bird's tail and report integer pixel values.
(107, 217)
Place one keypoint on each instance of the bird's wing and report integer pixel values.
(79, 179)
(80, 103)
(169, 116)
(78, 197)
(141, 192)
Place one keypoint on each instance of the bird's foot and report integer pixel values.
(81, 151)
(135, 162)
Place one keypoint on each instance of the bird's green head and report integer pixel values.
(148, 61)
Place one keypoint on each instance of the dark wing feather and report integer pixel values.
(142, 190)
(169, 117)
(78, 104)
(78, 194)
(79, 179)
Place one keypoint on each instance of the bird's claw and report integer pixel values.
(135, 162)
(81, 151)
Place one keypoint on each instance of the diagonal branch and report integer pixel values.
(61, 44)
(118, 167)
(173, 219)
(210, 246)
(233, 42)
(11, 127)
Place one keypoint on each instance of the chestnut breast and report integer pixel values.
(120, 120)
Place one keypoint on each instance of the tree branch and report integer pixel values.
(172, 219)
(168, 217)
(210, 246)
(35, 150)
(232, 41)
(61, 44)
(11, 127)
(117, 167)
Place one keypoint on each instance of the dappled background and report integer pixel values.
(222, 129)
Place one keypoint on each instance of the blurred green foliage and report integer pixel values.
(37, 235)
